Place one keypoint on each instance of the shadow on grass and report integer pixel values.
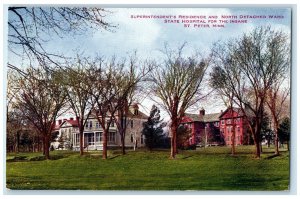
(186, 157)
(22, 158)
(113, 157)
(272, 156)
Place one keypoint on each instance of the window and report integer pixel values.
(131, 138)
(216, 123)
(142, 139)
(91, 124)
(228, 121)
(131, 123)
(111, 137)
(77, 137)
(222, 122)
(97, 125)
(228, 129)
(222, 130)
(87, 124)
(112, 124)
(136, 112)
(238, 129)
(98, 136)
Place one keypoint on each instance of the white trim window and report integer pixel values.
(131, 138)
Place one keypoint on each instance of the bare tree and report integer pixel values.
(127, 88)
(41, 98)
(30, 28)
(102, 79)
(176, 84)
(277, 97)
(217, 83)
(79, 94)
(249, 67)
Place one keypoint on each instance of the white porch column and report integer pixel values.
(95, 140)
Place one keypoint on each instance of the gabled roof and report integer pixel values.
(72, 122)
(140, 115)
(239, 111)
(213, 117)
(130, 114)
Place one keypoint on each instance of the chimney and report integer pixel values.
(71, 118)
(202, 112)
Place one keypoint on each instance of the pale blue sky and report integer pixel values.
(147, 36)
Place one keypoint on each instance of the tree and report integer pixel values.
(176, 86)
(29, 28)
(183, 135)
(277, 97)
(130, 75)
(79, 94)
(284, 131)
(216, 82)
(153, 129)
(41, 99)
(266, 131)
(249, 66)
(103, 79)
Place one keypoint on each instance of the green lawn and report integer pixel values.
(204, 169)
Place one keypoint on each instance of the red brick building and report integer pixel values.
(205, 128)
(234, 120)
(216, 128)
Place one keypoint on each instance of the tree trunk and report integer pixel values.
(233, 142)
(104, 152)
(123, 143)
(276, 138)
(18, 142)
(173, 142)
(47, 146)
(81, 143)
(44, 141)
(257, 146)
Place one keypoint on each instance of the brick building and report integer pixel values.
(216, 128)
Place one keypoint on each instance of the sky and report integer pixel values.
(147, 36)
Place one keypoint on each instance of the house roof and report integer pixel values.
(140, 115)
(72, 122)
(130, 114)
(213, 117)
(239, 111)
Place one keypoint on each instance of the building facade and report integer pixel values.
(233, 120)
(217, 128)
(68, 136)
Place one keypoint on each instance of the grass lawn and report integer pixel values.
(210, 168)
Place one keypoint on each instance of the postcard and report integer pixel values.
(148, 99)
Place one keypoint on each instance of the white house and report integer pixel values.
(68, 135)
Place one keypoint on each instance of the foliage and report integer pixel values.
(41, 100)
(153, 129)
(183, 135)
(284, 130)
